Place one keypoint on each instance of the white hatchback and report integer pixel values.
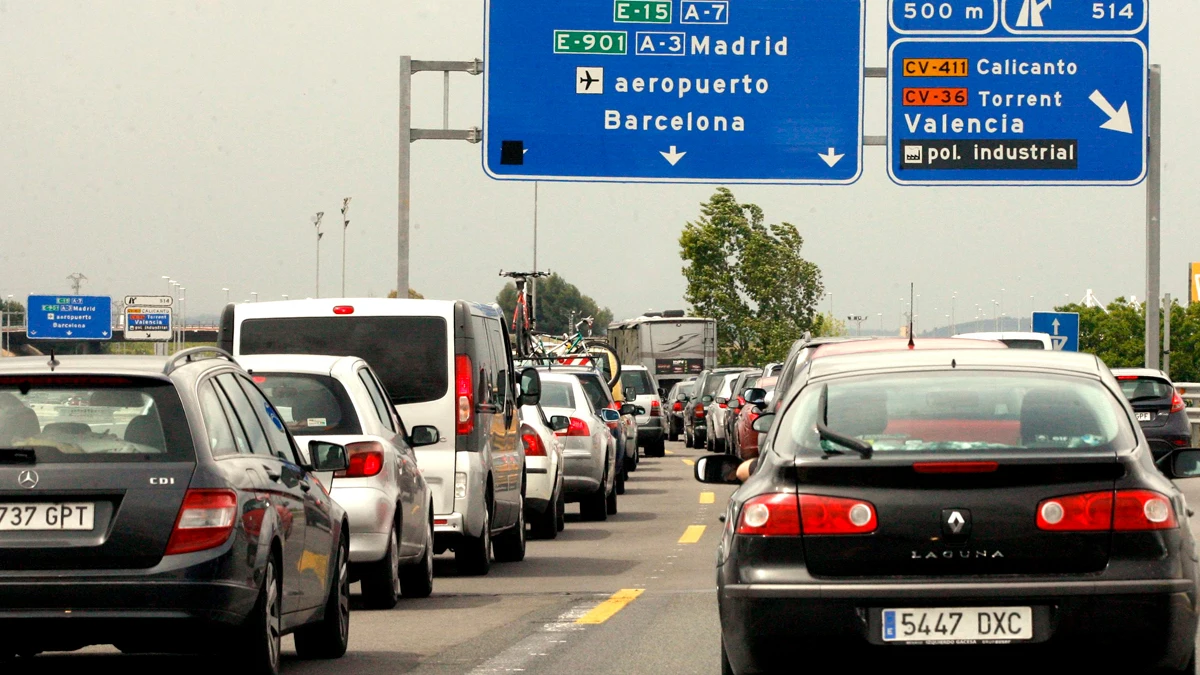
(544, 499)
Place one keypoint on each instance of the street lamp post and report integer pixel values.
(858, 319)
(316, 221)
(880, 322)
(345, 226)
(254, 294)
(226, 295)
(953, 318)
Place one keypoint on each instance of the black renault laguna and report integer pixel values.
(923, 501)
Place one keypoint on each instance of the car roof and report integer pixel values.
(104, 364)
(558, 375)
(970, 357)
(625, 367)
(316, 364)
(1141, 372)
(1005, 335)
(902, 344)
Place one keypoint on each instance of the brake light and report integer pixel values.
(1135, 510)
(1177, 404)
(205, 521)
(343, 309)
(836, 515)
(532, 442)
(655, 409)
(678, 407)
(770, 515)
(723, 405)
(1127, 377)
(465, 394)
(753, 415)
(955, 467)
(699, 410)
(577, 427)
(366, 460)
(741, 402)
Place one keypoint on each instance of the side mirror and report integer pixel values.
(610, 415)
(763, 424)
(630, 394)
(560, 423)
(641, 410)
(423, 435)
(630, 409)
(706, 399)
(720, 469)
(328, 456)
(1183, 463)
(755, 396)
(662, 393)
(531, 387)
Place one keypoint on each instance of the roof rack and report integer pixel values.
(187, 354)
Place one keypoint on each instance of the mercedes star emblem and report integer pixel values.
(27, 479)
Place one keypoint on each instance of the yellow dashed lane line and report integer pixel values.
(615, 603)
(670, 452)
(708, 497)
(688, 462)
(692, 534)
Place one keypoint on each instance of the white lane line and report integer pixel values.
(519, 657)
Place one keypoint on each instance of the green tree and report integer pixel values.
(558, 302)
(751, 278)
(412, 295)
(1117, 335)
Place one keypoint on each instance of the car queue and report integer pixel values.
(324, 442)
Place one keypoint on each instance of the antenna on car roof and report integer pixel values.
(53, 363)
(911, 286)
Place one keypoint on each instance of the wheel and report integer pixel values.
(593, 507)
(708, 445)
(660, 448)
(545, 524)
(597, 349)
(673, 435)
(510, 545)
(416, 579)
(619, 485)
(264, 628)
(381, 583)
(726, 669)
(473, 555)
(610, 504)
(561, 510)
(329, 637)
(719, 445)
(687, 440)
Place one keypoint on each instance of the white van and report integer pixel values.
(444, 363)
(1014, 339)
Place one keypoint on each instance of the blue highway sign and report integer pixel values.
(1062, 327)
(752, 91)
(1044, 96)
(70, 317)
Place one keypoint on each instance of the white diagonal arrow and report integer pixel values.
(831, 158)
(1056, 324)
(1118, 120)
(673, 156)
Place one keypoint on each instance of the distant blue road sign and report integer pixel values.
(753, 91)
(70, 317)
(1062, 327)
(1020, 92)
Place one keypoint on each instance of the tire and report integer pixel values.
(598, 348)
(545, 524)
(381, 583)
(619, 485)
(726, 669)
(593, 507)
(473, 555)
(719, 445)
(687, 441)
(416, 579)
(673, 435)
(561, 514)
(329, 637)
(610, 504)
(708, 445)
(660, 448)
(509, 546)
(263, 633)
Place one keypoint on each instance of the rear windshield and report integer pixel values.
(638, 380)
(1024, 344)
(958, 411)
(407, 352)
(1144, 388)
(310, 404)
(595, 391)
(93, 419)
(683, 389)
(557, 395)
(713, 383)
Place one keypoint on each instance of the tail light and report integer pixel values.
(770, 515)
(678, 407)
(723, 405)
(532, 442)
(464, 391)
(366, 460)
(741, 402)
(577, 427)
(343, 309)
(1134, 510)
(955, 467)
(205, 521)
(836, 515)
(699, 410)
(1177, 404)
(655, 409)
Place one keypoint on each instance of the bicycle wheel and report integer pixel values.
(608, 362)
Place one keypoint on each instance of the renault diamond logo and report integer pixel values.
(27, 479)
(956, 522)
(956, 525)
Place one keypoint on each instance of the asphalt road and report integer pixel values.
(526, 617)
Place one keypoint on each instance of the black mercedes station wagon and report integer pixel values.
(160, 505)
(1001, 502)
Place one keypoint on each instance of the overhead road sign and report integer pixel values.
(1017, 92)
(694, 91)
(1062, 327)
(148, 323)
(69, 317)
(1194, 282)
(151, 300)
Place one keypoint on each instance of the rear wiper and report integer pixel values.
(1137, 399)
(828, 434)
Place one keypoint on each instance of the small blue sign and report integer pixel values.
(1062, 327)
(70, 317)
(687, 91)
(1017, 92)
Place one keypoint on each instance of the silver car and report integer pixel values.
(589, 448)
(339, 400)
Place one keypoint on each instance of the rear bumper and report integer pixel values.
(1153, 620)
(582, 473)
(371, 514)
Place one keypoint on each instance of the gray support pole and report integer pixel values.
(533, 281)
(405, 176)
(1166, 357)
(1153, 194)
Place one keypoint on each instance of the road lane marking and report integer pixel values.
(520, 656)
(615, 603)
(669, 452)
(688, 462)
(708, 497)
(692, 534)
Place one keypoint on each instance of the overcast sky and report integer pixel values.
(143, 138)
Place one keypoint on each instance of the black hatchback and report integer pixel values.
(1158, 408)
(926, 502)
(160, 505)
